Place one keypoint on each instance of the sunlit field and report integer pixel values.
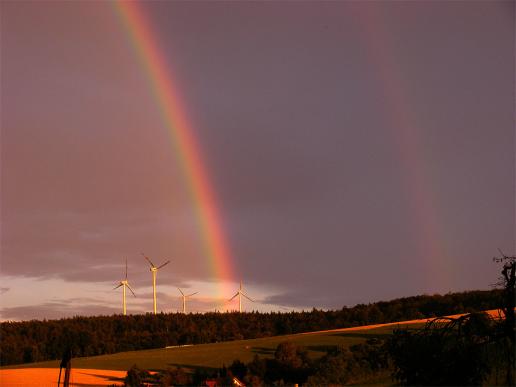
(49, 377)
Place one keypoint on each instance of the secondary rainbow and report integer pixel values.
(164, 89)
(409, 145)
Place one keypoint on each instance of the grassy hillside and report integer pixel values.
(217, 354)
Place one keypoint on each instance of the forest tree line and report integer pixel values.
(31, 341)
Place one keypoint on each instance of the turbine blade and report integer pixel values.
(147, 258)
(117, 286)
(126, 268)
(131, 289)
(192, 294)
(166, 263)
(237, 293)
(243, 294)
(181, 291)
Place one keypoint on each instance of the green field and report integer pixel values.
(217, 354)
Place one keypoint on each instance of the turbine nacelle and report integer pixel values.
(239, 294)
(186, 295)
(153, 267)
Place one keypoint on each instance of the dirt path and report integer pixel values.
(42, 377)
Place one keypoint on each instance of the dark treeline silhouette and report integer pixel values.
(31, 341)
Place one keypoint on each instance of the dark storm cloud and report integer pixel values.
(3, 290)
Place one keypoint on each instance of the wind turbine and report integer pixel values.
(240, 293)
(125, 284)
(154, 270)
(184, 298)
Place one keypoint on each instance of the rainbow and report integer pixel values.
(432, 249)
(173, 114)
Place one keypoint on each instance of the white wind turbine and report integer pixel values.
(240, 293)
(125, 284)
(154, 270)
(184, 298)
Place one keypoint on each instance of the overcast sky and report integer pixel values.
(358, 152)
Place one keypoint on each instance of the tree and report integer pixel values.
(508, 282)
(292, 363)
(290, 355)
(238, 369)
(332, 369)
(136, 377)
(447, 351)
(176, 377)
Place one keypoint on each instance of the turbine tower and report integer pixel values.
(154, 270)
(240, 293)
(184, 298)
(125, 284)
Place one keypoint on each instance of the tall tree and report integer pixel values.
(508, 281)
